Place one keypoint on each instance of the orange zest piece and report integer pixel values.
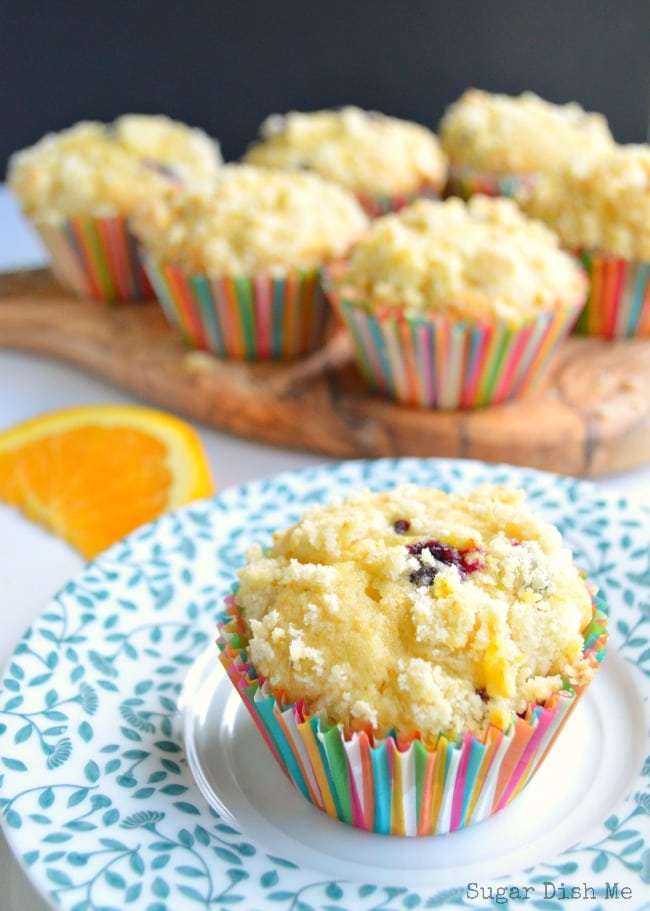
(93, 474)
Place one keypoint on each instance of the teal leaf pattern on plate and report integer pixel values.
(95, 794)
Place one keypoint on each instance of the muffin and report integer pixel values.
(600, 209)
(456, 305)
(384, 161)
(499, 143)
(237, 268)
(79, 187)
(410, 655)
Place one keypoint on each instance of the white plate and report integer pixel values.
(99, 803)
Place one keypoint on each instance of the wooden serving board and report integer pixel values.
(590, 415)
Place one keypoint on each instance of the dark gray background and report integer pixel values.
(226, 65)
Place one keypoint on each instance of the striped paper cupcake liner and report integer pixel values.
(618, 305)
(375, 206)
(466, 182)
(393, 786)
(256, 318)
(97, 258)
(438, 363)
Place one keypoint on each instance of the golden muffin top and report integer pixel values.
(250, 221)
(417, 610)
(364, 151)
(601, 204)
(482, 261)
(504, 134)
(104, 170)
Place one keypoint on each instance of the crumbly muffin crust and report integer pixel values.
(503, 134)
(103, 170)
(479, 261)
(602, 205)
(251, 221)
(364, 151)
(417, 610)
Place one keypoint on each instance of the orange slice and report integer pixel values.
(93, 474)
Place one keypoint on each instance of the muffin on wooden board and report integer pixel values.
(600, 209)
(386, 162)
(237, 268)
(456, 305)
(80, 186)
(498, 143)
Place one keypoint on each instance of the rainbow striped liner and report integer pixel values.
(251, 318)
(618, 305)
(465, 181)
(438, 363)
(376, 206)
(97, 258)
(393, 786)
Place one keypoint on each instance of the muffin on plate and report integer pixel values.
(600, 209)
(498, 143)
(237, 268)
(456, 305)
(79, 187)
(384, 161)
(410, 655)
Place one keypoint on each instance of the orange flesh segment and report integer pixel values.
(94, 483)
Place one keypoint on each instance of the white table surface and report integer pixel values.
(33, 564)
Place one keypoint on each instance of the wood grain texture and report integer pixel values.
(590, 415)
